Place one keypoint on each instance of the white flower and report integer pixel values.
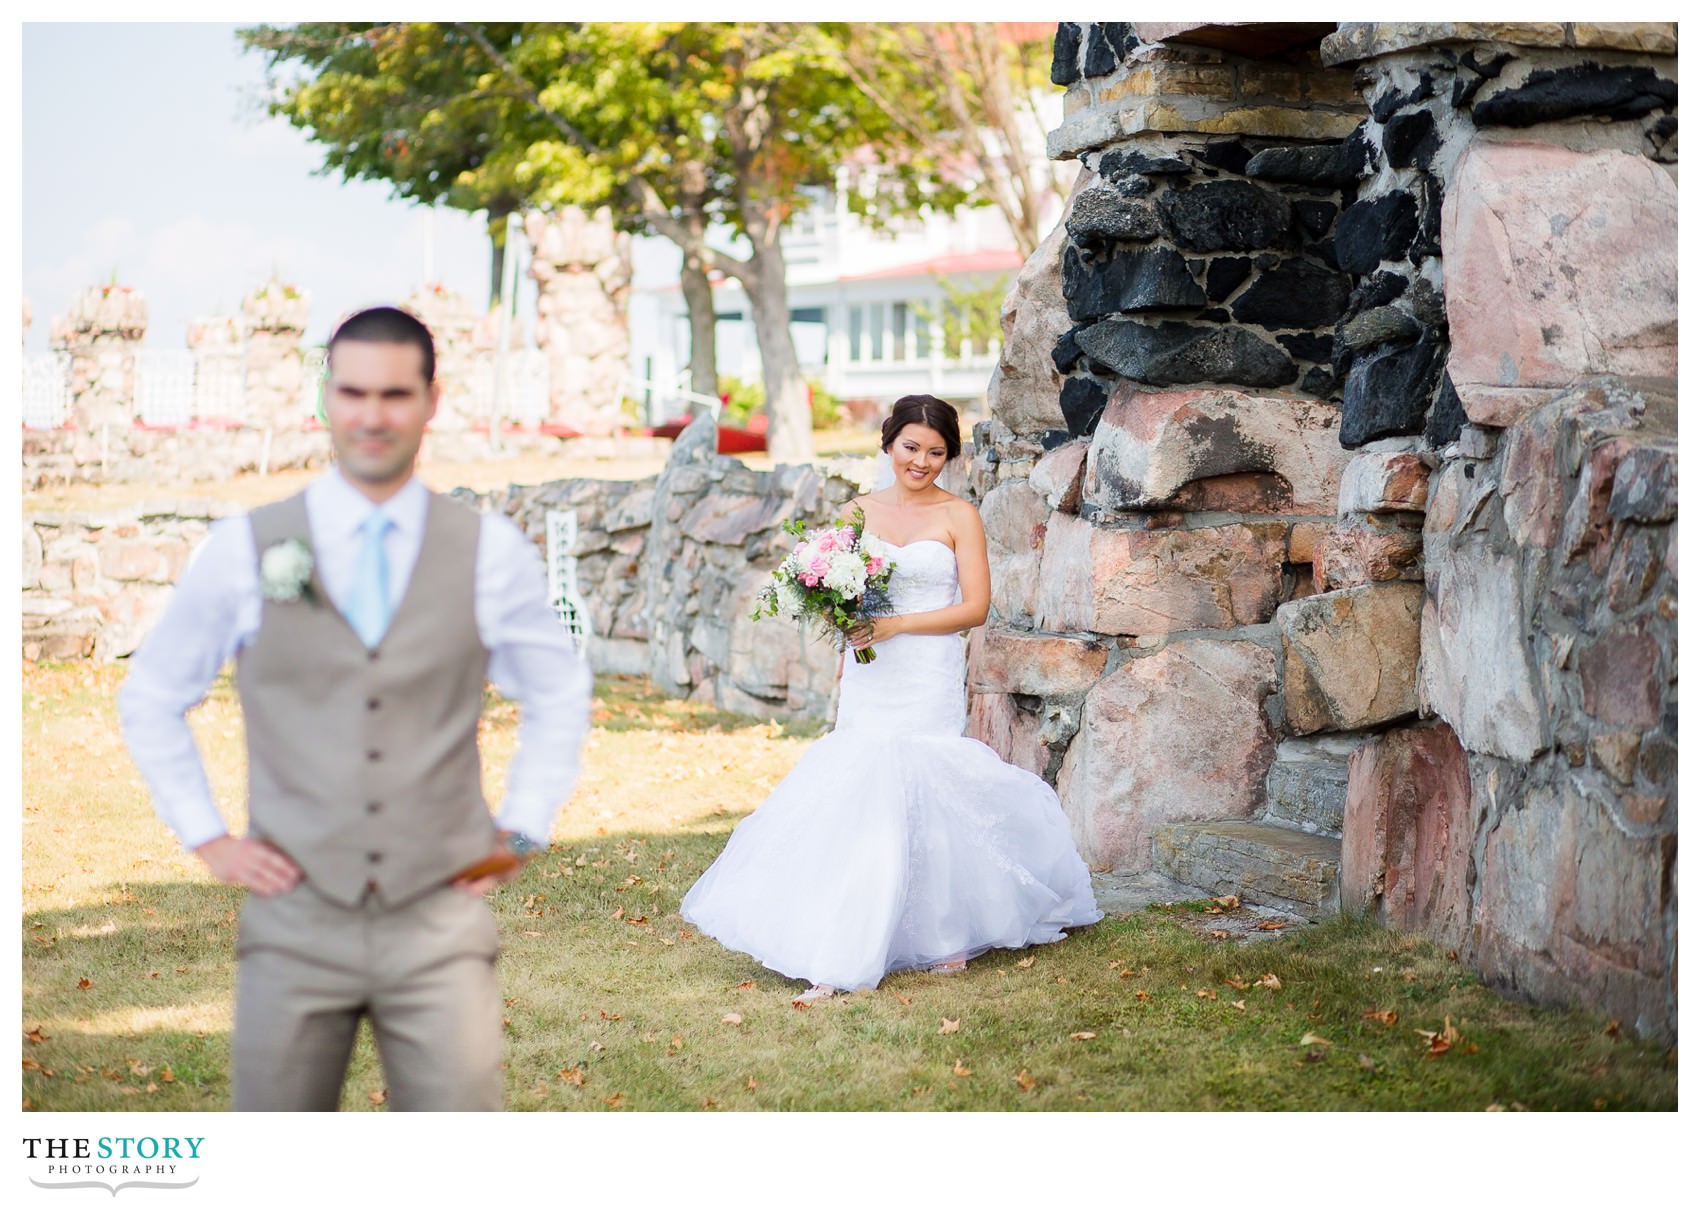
(286, 570)
(846, 574)
(789, 600)
(873, 545)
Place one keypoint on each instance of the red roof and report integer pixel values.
(952, 263)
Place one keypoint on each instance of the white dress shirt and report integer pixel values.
(215, 612)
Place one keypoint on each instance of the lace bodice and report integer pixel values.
(925, 577)
(915, 684)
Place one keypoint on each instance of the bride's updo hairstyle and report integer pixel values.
(929, 411)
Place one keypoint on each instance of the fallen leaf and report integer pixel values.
(1311, 1038)
(1238, 1005)
(638, 921)
(84, 983)
(1210, 994)
(1613, 1028)
(1026, 1081)
(613, 1101)
(35, 1035)
(1239, 983)
(1218, 935)
(165, 1075)
(1441, 1041)
(947, 1026)
(960, 1070)
(1270, 980)
(1142, 996)
(574, 1075)
(1272, 924)
(919, 1090)
(708, 1103)
(746, 985)
(1214, 910)
(532, 934)
(596, 1046)
(1367, 1062)
(182, 968)
(1083, 1036)
(1125, 973)
(903, 998)
(678, 1042)
(1062, 981)
(1386, 1017)
(607, 1015)
(1026, 962)
(732, 1017)
(618, 914)
(1228, 902)
(750, 1084)
(377, 1097)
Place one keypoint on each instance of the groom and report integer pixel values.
(364, 615)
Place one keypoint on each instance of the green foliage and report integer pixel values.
(827, 409)
(970, 313)
(741, 401)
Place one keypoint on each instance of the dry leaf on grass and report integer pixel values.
(1026, 962)
(1270, 980)
(377, 1097)
(35, 1035)
(1239, 983)
(1228, 902)
(1083, 1036)
(1026, 1081)
(1272, 924)
(902, 998)
(618, 914)
(746, 985)
(574, 1075)
(609, 1015)
(750, 1084)
(613, 1101)
(1311, 1038)
(1142, 996)
(1442, 1041)
(1218, 935)
(84, 983)
(1238, 1005)
(960, 1070)
(1383, 1017)
(732, 1017)
(1210, 994)
(947, 1026)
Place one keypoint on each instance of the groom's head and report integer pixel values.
(379, 395)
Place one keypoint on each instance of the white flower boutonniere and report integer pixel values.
(286, 571)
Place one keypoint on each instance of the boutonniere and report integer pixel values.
(286, 571)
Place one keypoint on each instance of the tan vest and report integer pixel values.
(363, 764)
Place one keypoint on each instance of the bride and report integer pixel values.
(896, 842)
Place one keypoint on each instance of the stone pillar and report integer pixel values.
(103, 334)
(583, 269)
(451, 320)
(216, 342)
(274, 318)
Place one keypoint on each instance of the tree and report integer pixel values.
(964, 92)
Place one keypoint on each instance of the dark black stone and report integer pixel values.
(1378, 326)
(1100, 59)
(1065, 354)
(1446, 419)
(1388, 392)
(1314, 215)
(1266, 261)
(1665, 127)
(1230, 215)
(1082, 401)
(1315, 164)
(1224, 274)
(1101, 215)
(1427, 242)
(1294, 295)
(1378, 290)
(1310, 347)
(1318, 381)
(1133, 280)
(1065, 53)
(1323, 251)
(1410, 140)
(1428, 305)
(1357, 154)
(1120, 36)
(1391, 103)
(1228, 154)
(1195, 265)
(1050, 440)
(1127, 161)
(1375, 230)
(1467, 84)
(1169, 353)
(1584, 89)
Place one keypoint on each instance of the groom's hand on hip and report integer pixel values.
(257, 866)
(501, 865)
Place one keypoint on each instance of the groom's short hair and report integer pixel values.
(388, 324)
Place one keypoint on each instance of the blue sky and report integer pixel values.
(146, 149)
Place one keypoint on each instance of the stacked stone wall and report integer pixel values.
(1356, 438)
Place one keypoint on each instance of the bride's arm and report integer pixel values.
(973, 573)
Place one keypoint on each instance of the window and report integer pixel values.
(900, 332)
(923, 335)
(876, 330)
(855, 332)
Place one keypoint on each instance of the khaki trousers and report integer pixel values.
(424, 973)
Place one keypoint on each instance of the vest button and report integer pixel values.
(372, 705)
(373, 807)
(371, 654)
(373, 755)
(373, 856)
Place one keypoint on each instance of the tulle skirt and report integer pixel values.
(885, 850)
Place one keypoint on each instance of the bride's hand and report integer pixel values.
(877, 630)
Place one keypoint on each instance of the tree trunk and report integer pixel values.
(699, 306)
(790, 428)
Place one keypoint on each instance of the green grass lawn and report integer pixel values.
(614, 1002)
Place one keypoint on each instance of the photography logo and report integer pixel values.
(113, 1163)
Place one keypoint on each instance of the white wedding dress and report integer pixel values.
(896, 842)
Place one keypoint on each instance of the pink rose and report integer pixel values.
(808, 579)
(875, 564)
(819, 566)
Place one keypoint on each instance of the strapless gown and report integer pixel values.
(896, 842)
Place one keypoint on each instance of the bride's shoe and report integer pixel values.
(812, 995)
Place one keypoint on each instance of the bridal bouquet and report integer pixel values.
(836, 575)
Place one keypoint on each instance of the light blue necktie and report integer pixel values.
(368, 610)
